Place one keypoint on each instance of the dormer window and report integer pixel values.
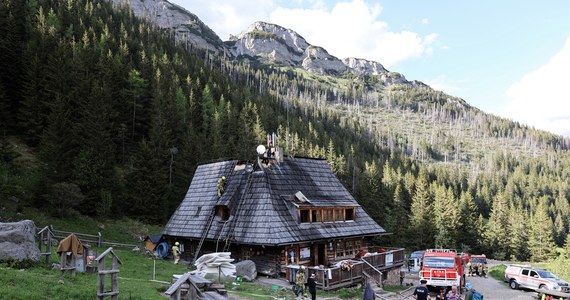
(222, 212)
(325, 214)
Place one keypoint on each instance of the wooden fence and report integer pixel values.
(83, 237)
(90, 239)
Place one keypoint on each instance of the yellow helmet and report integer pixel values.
(177, 243)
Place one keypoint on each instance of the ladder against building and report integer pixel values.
(230, 235)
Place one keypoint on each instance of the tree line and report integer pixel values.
(119, 116)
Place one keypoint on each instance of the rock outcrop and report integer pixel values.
(186, 27)
(17, 241)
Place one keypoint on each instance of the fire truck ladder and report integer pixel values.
(232, 226)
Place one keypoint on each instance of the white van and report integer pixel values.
(525, 276)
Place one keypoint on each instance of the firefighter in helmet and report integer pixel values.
(221, 185)
(176, 252)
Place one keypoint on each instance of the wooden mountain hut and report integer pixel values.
(281, 213)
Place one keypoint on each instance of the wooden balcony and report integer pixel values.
(369, 267)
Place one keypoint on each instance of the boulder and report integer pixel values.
(246, 269)
(17, 241)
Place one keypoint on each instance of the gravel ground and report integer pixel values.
(493, 289)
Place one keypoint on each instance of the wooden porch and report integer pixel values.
(372, 267)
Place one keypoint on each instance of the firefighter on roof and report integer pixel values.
(221, 185)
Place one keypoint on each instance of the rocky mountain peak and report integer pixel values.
(262, 41)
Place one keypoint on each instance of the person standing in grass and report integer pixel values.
(176, 252)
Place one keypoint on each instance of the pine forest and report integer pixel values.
(106, 115)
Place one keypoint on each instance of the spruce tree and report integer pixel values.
(518, 234)
(496, 237)
(540, 241)
(446, 217)
(421, 229)
(468, 232)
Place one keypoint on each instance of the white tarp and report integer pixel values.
(216, 262)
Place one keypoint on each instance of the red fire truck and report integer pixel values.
(443, 268)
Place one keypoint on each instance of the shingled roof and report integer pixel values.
(267, 214)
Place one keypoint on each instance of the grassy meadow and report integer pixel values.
(37, 280)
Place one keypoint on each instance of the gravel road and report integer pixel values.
(493, 289)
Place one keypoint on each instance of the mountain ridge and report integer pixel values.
(263, 41)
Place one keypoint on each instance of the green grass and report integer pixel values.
(41, 282)
(29, 280)
(395, 288)
(498, 272)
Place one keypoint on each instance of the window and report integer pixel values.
(338, 215)
(349, 248)
(349, 214)
(339, 249)
(439, 262)
(357, 245)
(304, 216)
(533, 274)
(327, 215)
(525, 272)
(316, 215)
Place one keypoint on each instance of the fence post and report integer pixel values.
(99, 239)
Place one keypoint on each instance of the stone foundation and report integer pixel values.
(391, 277)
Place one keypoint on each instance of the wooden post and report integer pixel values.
(101, 282)
(45, 235)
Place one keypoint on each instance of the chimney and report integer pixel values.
(270, 152)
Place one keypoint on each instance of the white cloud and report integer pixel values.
(354, 29)
(350, 28)
(228, 17)
(425, 21)
(542, 98)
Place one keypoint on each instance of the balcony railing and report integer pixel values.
(352, 273)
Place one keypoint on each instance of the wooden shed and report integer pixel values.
(151, 241)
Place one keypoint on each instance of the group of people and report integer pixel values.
(422, 293)
(302, 285)
(478, 269)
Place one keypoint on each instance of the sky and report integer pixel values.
(508, 58)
